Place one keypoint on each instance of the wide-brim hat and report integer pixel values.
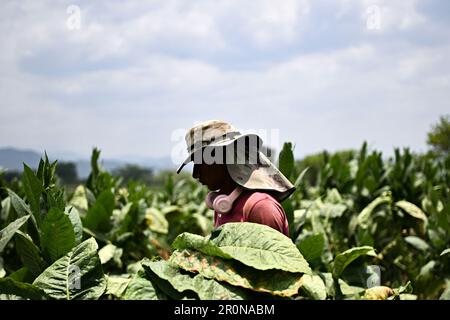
(250, 167)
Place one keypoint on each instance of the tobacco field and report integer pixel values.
(362, 226)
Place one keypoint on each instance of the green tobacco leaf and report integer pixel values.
(77, 275)
(300, 177)
(286, 159)
(350, 291)
(14, 290)
(427, 270)
(140, 288)
(5, 209)
(255, 245)
(79, 199)
(109, 252)
(343, 259)
(22, 275)
(289, 210)
(77, 226)
(7, 233)
(206, 289)
(403, 292)
(2, 269)
(330, 283)
(314, 287)
(445, 295)
(23, 209)
(29, 253)
(99, 215)
(124, 220)
(412, 210)
(156, 221)
(364, 216)
(18, 204)
(57, 234)
(33, 189)
(417, 243)
(312, 247)
(116, 285)
(275, 282)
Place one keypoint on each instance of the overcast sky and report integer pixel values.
(127, 77)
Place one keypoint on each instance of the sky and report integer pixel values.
(131, 77)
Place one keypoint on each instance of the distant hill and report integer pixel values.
(12, 159)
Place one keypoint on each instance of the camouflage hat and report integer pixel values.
(247, 165)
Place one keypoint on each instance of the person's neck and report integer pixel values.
(228, 187)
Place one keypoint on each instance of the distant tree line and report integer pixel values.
(438, 139)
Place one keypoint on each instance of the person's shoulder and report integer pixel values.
(258, 198)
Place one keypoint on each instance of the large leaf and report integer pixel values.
(276, 282)
(289, 210)
(364, 216)
(206, 289)
(329, 282)
(5, 209)
(14, 290)
(116, 285)
(111, 252)
(286, 159)
(29, 253)
(255, 245)
(2, 269)
(412, 210)
(18, 204)
(99, 215)
(156, 221)
(300, 177)
(350, 291)
(77, 226)
(57, 234)
(445, 295)
(417, 243)
(312, 247)
(23, 209)
(7, 233)
(140, 288)
(22, 275)
(343, 259)
(314, 287)
(77, 275)
(33, 189)
(79, 199)
(125, 219)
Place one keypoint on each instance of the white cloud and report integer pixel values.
(135, 73)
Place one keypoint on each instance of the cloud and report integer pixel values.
(135, 72)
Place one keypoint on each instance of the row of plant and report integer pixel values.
(362, 226)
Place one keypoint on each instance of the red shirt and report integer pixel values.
(257, 207)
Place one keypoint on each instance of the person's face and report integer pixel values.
(210, 175)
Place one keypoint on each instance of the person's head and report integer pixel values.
(214, 176)
(249, 167)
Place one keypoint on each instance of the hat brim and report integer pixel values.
(264, 176)
(222, 143)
